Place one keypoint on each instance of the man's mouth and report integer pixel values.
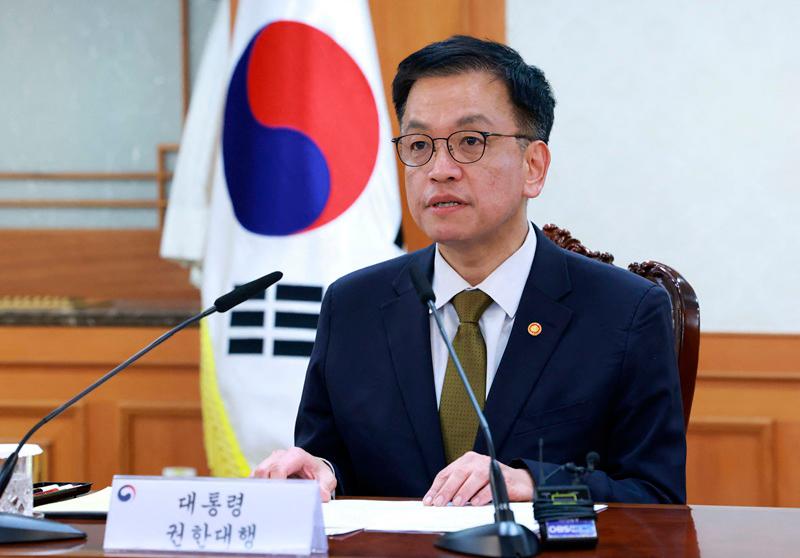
(446, 204)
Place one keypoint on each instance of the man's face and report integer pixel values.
(481, 203)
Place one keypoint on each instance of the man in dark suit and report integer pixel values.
(557, 347)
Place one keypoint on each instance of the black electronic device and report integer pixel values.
(15, 528)
(49, 492)
(566, 516)
(504, 537)
(565, 513)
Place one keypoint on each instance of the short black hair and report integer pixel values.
(528, 88)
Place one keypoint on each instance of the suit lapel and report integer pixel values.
(408, 330)
(526, 355)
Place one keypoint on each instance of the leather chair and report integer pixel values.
(685, 309)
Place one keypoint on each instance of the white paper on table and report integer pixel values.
(94, 502)
(343, 516)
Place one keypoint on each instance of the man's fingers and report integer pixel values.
(477, 468)
(483, 497)
(327, 481)
(298, 463)
(284, 464)
(465, 480)
(473, 484)
(324, 495)
(437, 484)
(450, 487)
(444, 476)
(263, 469)
(295, 463)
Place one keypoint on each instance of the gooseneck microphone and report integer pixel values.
(244, 292)
(505, 537)
(17, 528)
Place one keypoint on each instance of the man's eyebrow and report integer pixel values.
(467, 120)
(472, 119)
(414, 125)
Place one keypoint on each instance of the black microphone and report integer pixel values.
(504, 537)
(246, 291)
(592, 459)
(17, 528)
(578, 472)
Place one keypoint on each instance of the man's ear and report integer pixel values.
(537, 161)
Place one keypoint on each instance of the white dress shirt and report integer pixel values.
(504, 285)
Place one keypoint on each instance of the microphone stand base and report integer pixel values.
(16, 528)
(505, 538)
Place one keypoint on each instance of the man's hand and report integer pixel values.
(466, 480)
(296, 463)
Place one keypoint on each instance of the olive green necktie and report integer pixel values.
(456, 415)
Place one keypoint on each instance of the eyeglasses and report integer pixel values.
(464, 146)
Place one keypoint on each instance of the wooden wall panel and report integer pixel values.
(94, 265)
(39, 348)
(746, 377)
(737, 354)
(157, 435)
(723, 453)
(63, 441)
(48, 365)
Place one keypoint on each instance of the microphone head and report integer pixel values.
(422, 285)
(246, 291)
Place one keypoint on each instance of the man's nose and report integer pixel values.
(443, 166)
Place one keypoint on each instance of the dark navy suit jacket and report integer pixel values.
(601, 377)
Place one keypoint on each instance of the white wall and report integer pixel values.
(677, 138)
(90, 86)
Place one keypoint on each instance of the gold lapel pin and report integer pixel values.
(535, 328)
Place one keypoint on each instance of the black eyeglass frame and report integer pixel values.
(396, 142)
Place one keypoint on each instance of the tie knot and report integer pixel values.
(470, 305)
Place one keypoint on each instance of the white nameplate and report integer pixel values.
(240, 516)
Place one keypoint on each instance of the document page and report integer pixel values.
(342, 516)
(413, 516)
(92, 503)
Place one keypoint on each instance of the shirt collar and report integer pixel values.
(504, 284)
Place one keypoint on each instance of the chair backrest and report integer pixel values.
(685, 309)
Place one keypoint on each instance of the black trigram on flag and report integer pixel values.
(286, 325)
